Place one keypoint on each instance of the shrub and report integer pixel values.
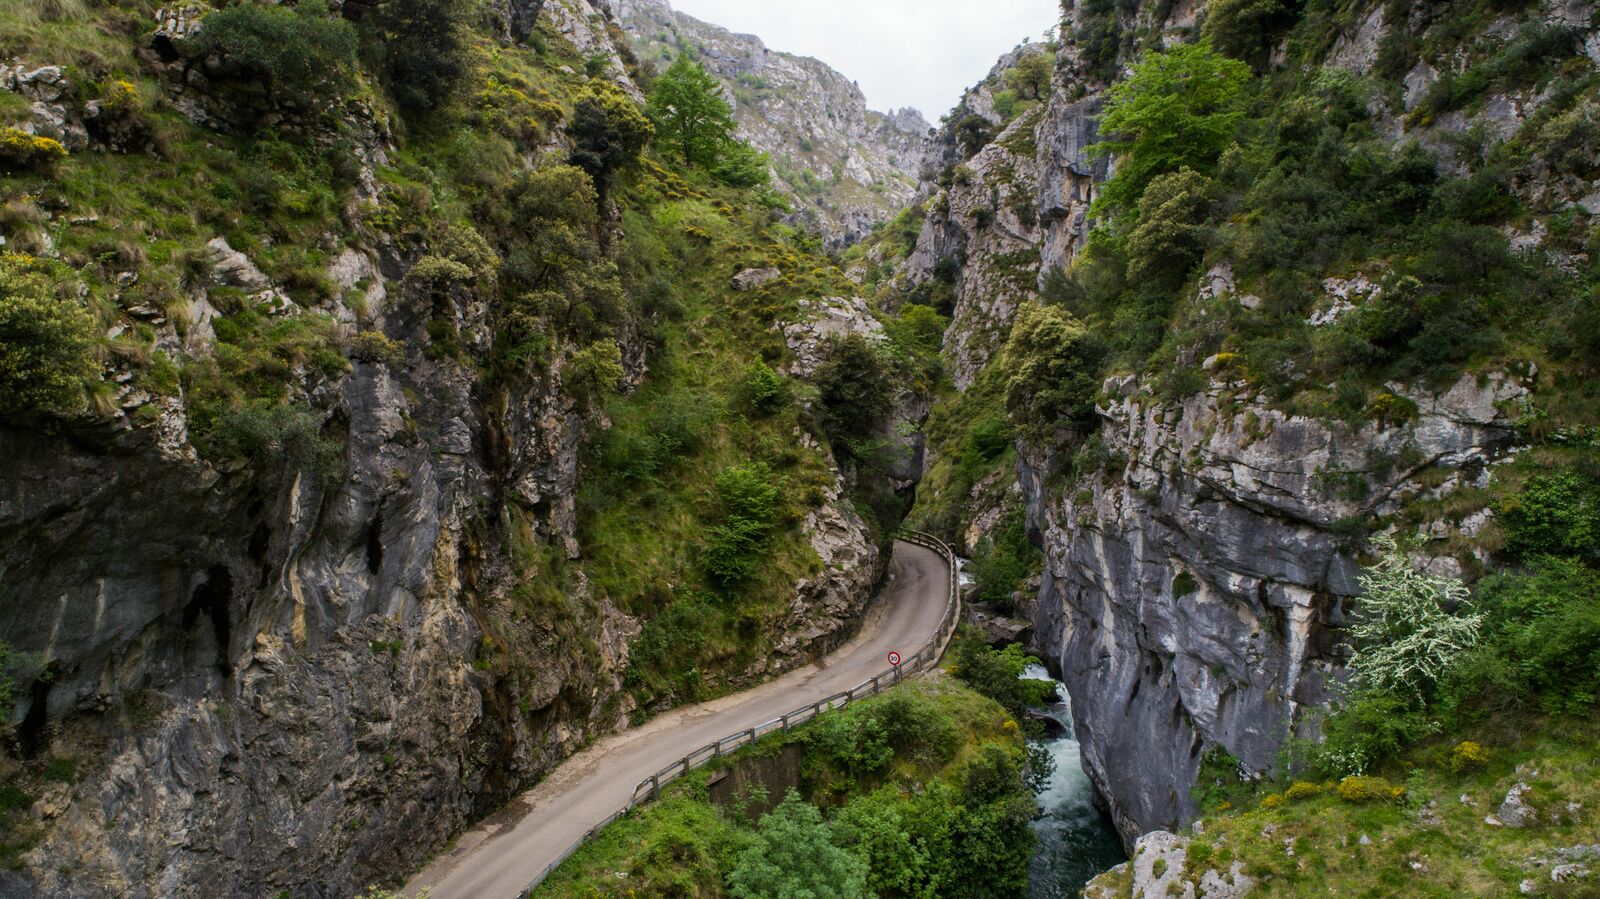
(1555, 514)
(303, 56)
(462, 244)
(1542, 638)
(764, 391)
(743, 166)
(973, 133)
(595, 370)
(265, 432)
(1302, 789)
(46, 343)
(1171, 235)
(793, 855)
(1362, 788)
(1244, 29)
(608, 133)
(1052, 370)
(424, 46)
(1468, 756)
(1367, 730)
(1413, 627)
(853, 390)
(439, 273)
(738, 543)
(1178, 109)
(997, 674)
(377, 348)
(21, 151)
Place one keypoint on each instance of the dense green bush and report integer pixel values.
(608, 133)
(764, 390)
(1003, 560)
(266, 432)
(46, 343)
(1170, 238)
(738, 543)
(1541, 639)
(997, 674)
(854, 392)
(303, 55)
(792, 855)
(424, 47)
(1177, 109)
(1553, 514)
(1052, 368)
(1244, 29)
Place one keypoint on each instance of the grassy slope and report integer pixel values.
(1432, 841)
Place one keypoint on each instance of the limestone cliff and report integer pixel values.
(302, 671)
(1200, 551)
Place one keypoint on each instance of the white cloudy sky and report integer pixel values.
(920, 53)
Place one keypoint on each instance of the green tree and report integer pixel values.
(1413, 627)
(793, 856)
(1178, 108)
(424, 46)
(1030, 77)
(997, 674)
(608, 133)
(692, 119)
(302, 55)
(853, 386)
(1170, 238)
(1244, 29)
(737, 544)
(1052, 370)
(46, 343)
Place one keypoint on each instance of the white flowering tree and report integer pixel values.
(1412, 626)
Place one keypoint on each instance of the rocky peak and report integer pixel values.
(847, 167)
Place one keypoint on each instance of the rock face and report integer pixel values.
(1195, 585)
(1194, 588)
(304, 678)
(847, 167)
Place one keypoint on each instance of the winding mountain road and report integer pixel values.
(499, 857)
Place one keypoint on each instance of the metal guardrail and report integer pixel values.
(925, 657)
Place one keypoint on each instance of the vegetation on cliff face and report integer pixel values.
(240, 219)
(918, 793)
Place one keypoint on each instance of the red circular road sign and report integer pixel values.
(894, 659)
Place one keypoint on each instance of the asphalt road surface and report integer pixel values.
(499, 857)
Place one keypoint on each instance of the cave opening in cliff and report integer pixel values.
(375, 545)
(212, 599)
(32, 734)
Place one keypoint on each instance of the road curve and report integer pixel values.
(502, 854)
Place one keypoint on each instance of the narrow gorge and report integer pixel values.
(399, 397)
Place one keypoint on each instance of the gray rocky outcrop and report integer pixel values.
(1195, 586)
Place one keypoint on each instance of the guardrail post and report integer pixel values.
(655, 787)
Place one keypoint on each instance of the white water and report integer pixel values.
(1076, 842)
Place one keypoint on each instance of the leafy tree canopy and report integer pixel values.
(692, 118)
(1178, 108)
(793, 856)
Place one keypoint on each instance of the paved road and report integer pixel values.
(502, 855)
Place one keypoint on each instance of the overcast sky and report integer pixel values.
(920, 53)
